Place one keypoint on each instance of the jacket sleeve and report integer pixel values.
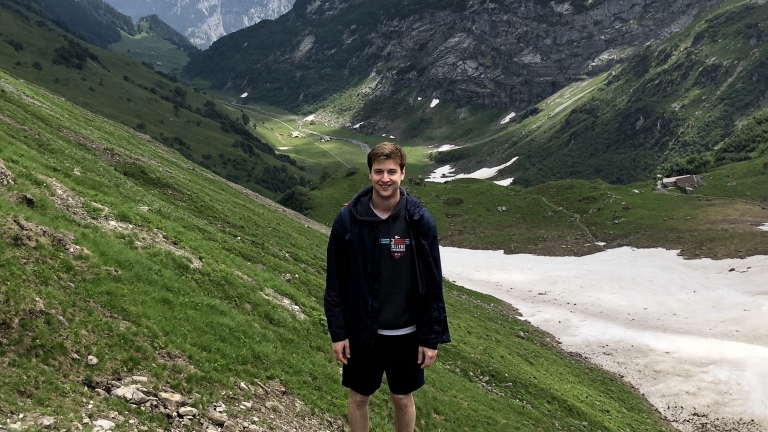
(433, 323)
(336, 282)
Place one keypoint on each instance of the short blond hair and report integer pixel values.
(386, 151)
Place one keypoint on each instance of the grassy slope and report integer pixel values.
(105, 91)
(157, 305)
(568, 217)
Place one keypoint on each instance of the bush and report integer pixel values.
(297, 199)
(37, 66)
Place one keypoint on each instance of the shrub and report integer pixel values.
(37, 66)
(297, 199)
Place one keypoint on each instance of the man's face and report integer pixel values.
(385, 177)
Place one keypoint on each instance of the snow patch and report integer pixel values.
(309, 118)
(446, 147)
(391, 137)
(443, 174)
(508, 118)
(244, 95)
(434, 103)
(357, 126)
(505, 182)
(601, 243)
(283, 148)
(764, 227)
(689, 334)
(419, 98)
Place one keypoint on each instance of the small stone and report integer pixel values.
(216, 418)
(131, 394)
(732, 270)
(246, 405)
(171, 400)
(14, 426)
(104, 425)
(274, 406)
(92, 360)
(243, 386)
(231, 426)
(46, 422)
(188, 411)
(520, 335)
(101, 393)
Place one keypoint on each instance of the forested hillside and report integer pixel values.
(153, 25)
(95, 21)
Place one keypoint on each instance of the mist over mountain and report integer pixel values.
(203, 22)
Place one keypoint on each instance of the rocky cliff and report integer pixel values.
(204, 21)
(482, 53)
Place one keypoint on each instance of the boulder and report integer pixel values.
(172, 400)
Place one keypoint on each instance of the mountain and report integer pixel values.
(203, 22)
(687, 105)
(150, 102)
(486, 53)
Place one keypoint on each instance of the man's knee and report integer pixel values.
(358, 400)
(402, 401)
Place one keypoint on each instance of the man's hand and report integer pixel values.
(341, 350)
(426, 357)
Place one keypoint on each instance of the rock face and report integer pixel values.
(203, 22)
(480, 53)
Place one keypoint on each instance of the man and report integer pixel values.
(384, 293)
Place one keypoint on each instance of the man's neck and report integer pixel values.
(384, 207)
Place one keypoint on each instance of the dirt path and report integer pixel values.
(577, 218)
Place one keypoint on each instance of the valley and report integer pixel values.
(172, 225)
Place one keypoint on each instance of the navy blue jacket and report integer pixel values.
(351, 284)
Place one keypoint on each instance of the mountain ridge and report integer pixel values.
(485, 54)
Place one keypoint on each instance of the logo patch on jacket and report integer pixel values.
(397, 247)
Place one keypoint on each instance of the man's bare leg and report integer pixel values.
(357, 411)
(405, 412)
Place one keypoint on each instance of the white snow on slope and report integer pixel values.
(244, 95)
(508, 118)
(357, 125)
(505, 182)
(443, 174)
(434, 103)
(445, 147)
(764, 227)
(686, 333)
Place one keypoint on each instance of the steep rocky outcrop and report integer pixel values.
(202, 22)
(481, 53)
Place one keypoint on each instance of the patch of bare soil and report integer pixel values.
(6, 178)
(102, 152)
(13, 123)
(29, 235)
(75, 206)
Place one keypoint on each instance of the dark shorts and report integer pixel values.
(397, 356)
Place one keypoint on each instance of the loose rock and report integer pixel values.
(188, 412)
(171, 400)
(104, 425)
(216, 418)
(92, 360)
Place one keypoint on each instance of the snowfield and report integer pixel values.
(444, 174)
(691, 335)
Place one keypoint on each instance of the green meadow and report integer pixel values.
(188, 274)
